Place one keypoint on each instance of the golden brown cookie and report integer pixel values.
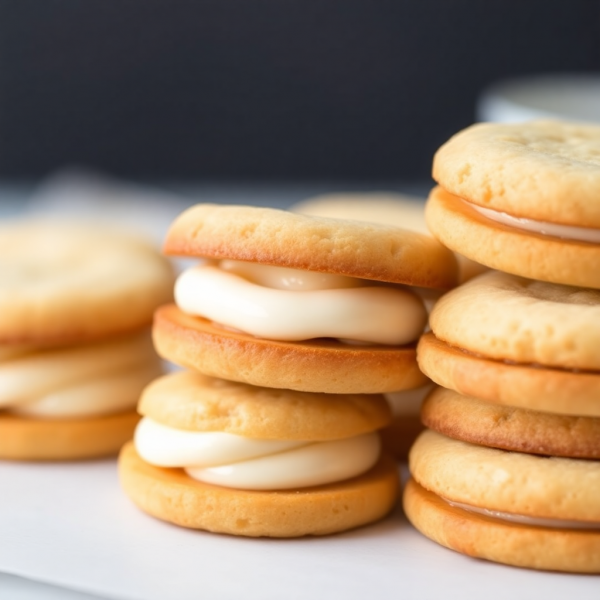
(511, 482)
(542, 170)
(281, 238)
(191, 401)
(471, 420)
(480, 536)
(387, 208)
(505, 317)
(462, 229)
(173, 496)
(64, 439)
(65, 283)
(314, 366)
(523, 386)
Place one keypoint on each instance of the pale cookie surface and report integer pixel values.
(522, 484)
(281, 238)
(62, 283)
(196, 402)
(472, 420)
(543, 170)
(491, 539)
(387, 208)
(462, 229)
(506, 317)
(171, 495)
(523, 386)
(316, 366)
(23, 438)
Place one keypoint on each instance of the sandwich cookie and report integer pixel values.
(75, 348)
(514, 508)
(387, 208)
(522, 198)
(232, 458)
(299, 302)
(517, 342)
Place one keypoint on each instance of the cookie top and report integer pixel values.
(281, 238)
(512, 482)
(542, 170)
(508, 428)
(191, 401)
(63, 282)
(507, 317)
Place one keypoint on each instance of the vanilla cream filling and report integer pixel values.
(567, 232)
(292, 305)
(408, 402)
(239, 462)
(78, 381)
(524, 519)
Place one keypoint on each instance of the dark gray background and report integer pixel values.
(265, 89)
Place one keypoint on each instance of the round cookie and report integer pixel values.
(387, 208)
(170, 495)
(64, 439)
(484, 537)
(314, 366)
(477, 422)
(542, 170)
(191, 401)
(510, 482)
(66, 283)
(281, 238)
(505, 317)
(522, 386)
(464, 230)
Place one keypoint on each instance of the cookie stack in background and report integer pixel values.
(406, 212)
(76, 303)
(510, 468)
(291, 330)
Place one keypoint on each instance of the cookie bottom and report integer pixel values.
(313, 366)
(536, 256)
(479, 536)
(171, 495)
(23, 438)
(398, 437)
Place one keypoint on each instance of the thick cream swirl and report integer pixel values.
(239, 462)
(292, 305)
(78, 381)
(567, 232)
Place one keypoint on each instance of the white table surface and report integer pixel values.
(67, 531)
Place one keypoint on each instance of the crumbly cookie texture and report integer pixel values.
(506, 317)
(191, 401)
(523, 386)
(276, 237)
(475, 421)
(23, 438)
(462, 229)
(522, 484)
(171, 495)
(315, 366)
(543, 170)
(476, 535)
(64, 283)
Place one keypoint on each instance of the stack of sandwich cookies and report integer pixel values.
(75, 347)
(523, 199)
(293, 327)
(511, 467)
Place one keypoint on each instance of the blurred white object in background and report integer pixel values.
(573, 97)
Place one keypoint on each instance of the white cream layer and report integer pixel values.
(408, 402)
(567, 232)
(524, 519)
(293, 305)
(78, 381)
(239, 462)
